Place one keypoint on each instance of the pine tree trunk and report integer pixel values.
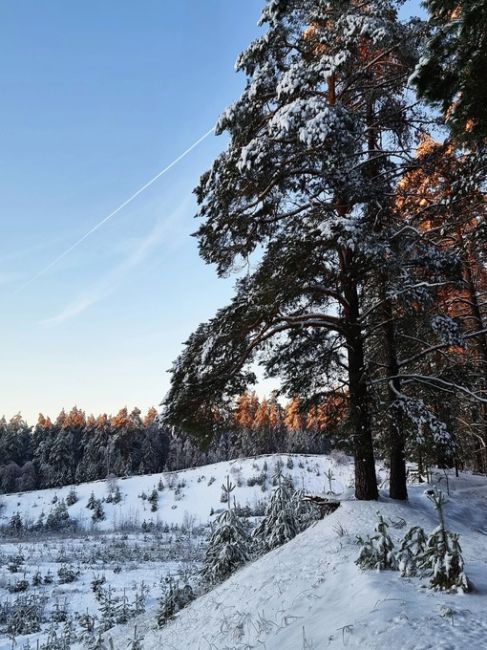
(397, 479)
(365, 478)
(359, 415)
(397, 485)
(481, 342)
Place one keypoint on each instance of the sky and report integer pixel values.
(97, 99)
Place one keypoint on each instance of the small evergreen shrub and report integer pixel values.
(72, 497)
(442, 559)
(377, 552)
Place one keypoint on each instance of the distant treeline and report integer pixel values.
(75, 448)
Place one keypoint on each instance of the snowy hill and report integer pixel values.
(309, 594)
(157, 528)
(192, 492)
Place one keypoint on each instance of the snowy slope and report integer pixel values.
(187, 492)
(309, 594)
(129, 557)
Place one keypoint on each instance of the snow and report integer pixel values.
(200, 490)
(129, 558)
(307, 594)
(310, 594)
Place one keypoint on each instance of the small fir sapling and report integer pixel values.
(123, 609)
(54, 642)
(15, 524)
(330, 477)
(109, 605)
(306, 511)
(166, 608)
(97, 584)
(117, 495)
(153, 499)
(228, 544)
(48, 578)
(58, 518)
(91, 502)
(37, 579)
(72, 497)
(87, 624)
(140, 598)
(173, 599)
(412, 549)
(60, 612)
(442, 558)
(136, 642)
(99, 643)
(280, 523)
(18, 586)
(67, 574)
(98, 511)
(377, 552)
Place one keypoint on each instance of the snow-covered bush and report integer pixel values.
(72, 497)
(153, 499)
(306, 511)
(281, 521)
(98, 511)
(442, 558)
(173, 599)
(23, 616)
(411, 551)
(59, 519)
(377, 552)
(228, 545)
(67, 574)
(18, 586)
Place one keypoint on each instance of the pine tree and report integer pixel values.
(377, 552)
(72, 497)
(98, 511)
(173, 599)
(411, 551)
(445, 190)
(307, 180)
(58, 518)
(442, 558)
(281, 521)
(228, 543)
(451, 71)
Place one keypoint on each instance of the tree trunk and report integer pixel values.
(365, 477)
(481, 340)
(397, 479)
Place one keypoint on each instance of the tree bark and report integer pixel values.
(359, 416)
(397, 457)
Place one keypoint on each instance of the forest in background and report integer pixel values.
(76, 448)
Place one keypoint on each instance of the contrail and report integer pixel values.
(116, 211)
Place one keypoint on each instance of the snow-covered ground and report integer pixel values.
(123, 549)
(309, 594)
(192, 492)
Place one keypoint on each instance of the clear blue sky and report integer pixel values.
(97, 97)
